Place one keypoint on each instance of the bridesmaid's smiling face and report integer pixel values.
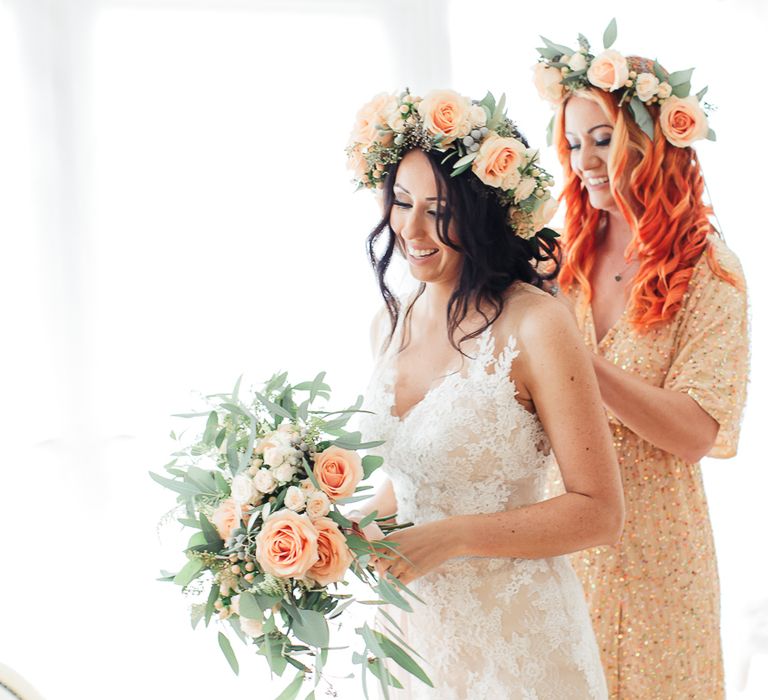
(414, 220)
(588, 131)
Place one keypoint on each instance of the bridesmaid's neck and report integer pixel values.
(616, 233)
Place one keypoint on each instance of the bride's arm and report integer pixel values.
(557, 373)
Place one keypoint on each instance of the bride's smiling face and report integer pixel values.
(414, 220)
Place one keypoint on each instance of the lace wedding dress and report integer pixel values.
(489, 629)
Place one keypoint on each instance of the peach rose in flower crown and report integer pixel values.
(371, 117)
(286, 547)
(338, 472)
(334, 556)
(548, 83)
(646, 86)
(609, 70)
(227, 517)
(498, 161)
(683, 121)
(446, 113)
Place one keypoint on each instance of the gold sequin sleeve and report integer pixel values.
(711, 356)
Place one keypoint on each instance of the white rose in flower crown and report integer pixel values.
(524, 189)
(244, 490)
(251, 628)
(548, 82)
(445, 112)
(295, 498)
(646, 85)
(477, 116)
(307, 486)
(577, 62)
(284, 473)
(318, 505)
(664, 91)
(265, 481)
(543, 214)
(609, 70)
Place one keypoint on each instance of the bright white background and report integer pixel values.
(174, 210)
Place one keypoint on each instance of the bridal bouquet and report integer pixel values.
(261, 486)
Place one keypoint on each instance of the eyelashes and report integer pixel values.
(404, 205)
(601, 143)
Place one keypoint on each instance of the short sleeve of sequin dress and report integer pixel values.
(712, 347)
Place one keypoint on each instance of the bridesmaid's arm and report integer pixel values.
(669, 419)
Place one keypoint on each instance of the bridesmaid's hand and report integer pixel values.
(420, 549)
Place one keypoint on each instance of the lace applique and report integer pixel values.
(488, 628)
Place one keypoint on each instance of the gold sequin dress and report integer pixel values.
(654, 598)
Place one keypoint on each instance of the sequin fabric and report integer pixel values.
(654, 598)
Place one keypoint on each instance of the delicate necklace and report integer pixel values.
(620, 275)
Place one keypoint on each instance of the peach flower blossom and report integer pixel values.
(287, 545)
(446, 113)
(334, 556)
(683, 121)
(338, 472)
(609, 70)
(498, 161)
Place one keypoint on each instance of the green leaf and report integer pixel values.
(370, 464)
(642, 116)
(213, 596)
(402, 658)
(466, 159)
(339, 519)
(353, 499)
(458, 171)
(376, 667)
(189, 572)
(292, 691)
(196, 540)
(368, 519)
(550, 130)
(211, 533)
(388, 593)
(711, 135)
(249, 606)
(239, 410)
(226, 648)
(679, 77)
(181, 487)
(609, 35)
(682, 90)
(700, 94)
(559, 48)
(660, 73)
(210, 427)
(273, 407)
(311, 695)
(236, 390)
(548, 54)
(312, 628)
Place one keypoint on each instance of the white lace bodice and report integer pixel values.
(489, 628)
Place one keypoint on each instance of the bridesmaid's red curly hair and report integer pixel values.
(669, 219)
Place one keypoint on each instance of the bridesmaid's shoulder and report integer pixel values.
(723, 257)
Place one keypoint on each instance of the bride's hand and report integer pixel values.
(420, 549)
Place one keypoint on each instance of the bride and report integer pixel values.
(480, 378)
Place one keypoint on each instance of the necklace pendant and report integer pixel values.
(617, 278)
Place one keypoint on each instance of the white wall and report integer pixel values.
(175, 211)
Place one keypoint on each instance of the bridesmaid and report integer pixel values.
(661, 302)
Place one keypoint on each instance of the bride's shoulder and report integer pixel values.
(535, 317)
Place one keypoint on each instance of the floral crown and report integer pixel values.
(477, 135)
(639, 82)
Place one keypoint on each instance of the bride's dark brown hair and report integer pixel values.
(492, 259)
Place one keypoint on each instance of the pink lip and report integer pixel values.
(419, 261)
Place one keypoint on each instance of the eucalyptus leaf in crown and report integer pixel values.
(639, 83)
(477, 138)
(260, 486)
